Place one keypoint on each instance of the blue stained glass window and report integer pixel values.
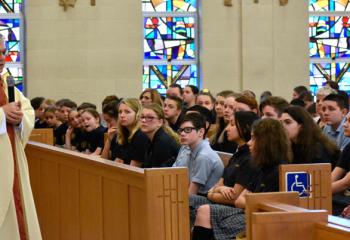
(328, 5)
(169, 38)
(329, 36)
(10, 29)
(329, 49)
(169, 5)
(338, 72)
(17, 74)
(159, 76)
(170, 44)
(11, 6)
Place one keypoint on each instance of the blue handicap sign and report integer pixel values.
(299, 182)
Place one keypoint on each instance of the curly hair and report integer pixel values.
(271, 142)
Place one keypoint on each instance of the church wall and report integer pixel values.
(89, 52)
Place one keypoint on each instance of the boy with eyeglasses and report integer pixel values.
(204, 164)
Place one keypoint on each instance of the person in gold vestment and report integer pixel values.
(18, 219)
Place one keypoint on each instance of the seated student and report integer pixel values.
(132, 142)
(308, 98)
(173, 112)
(245, 103)
(204, 112)
(163, 147)
(37, 104)
(220, 123)
(334, 112)
(341, 174)
(273, 107)
(204, 164)
(220, 141)
(189, 95)
(94, 137)
(108, 99)
(205, 99)
(309, 144)
(65, 107)
(174, 90)
(320, 95)
(269, 147)
(110, 115)
(149, 96)
(239, 172)
(297, 91)
(73, 133)
(52, 121)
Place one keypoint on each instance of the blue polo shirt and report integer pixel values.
(204, 165)
(338, 135)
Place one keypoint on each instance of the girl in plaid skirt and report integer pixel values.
(269, 147)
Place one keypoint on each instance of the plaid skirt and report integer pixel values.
(226, 221)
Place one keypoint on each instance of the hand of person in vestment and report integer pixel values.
(13, 112)
(346, 212)
(228, 193)
(112, 130)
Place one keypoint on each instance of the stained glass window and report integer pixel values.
(328, 5)
(169, 5)
(159, 76)
(170, 43)
(321, 72)
(329, 36)
(169, 38)
(329, 49)
(11, 27)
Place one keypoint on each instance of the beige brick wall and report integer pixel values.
(89, 52)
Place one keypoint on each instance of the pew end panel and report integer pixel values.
(320, 194)
(78, 196)
(42, 135)
(254, 201)
(277, 216)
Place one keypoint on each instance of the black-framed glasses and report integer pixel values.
(186, 130)
(147, 118)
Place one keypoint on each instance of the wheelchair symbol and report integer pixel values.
(298, 186)
(299, 182)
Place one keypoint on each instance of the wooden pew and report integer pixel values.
(275, 216)
(320, 192)
(85, 197)
(225, 157)
(42, 135)
(336, 229)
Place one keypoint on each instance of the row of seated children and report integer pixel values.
(307, 139)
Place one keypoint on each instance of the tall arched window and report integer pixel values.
(170, 43)
(11, 27)
(329, 32)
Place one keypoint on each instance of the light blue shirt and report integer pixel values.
(338, 135)
(204, 165)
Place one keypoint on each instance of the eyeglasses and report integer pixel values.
(186, 130)
(147, 118)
